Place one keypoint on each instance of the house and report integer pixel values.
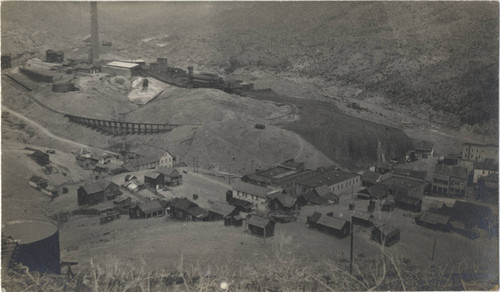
(134, 185)
(282, 203)
(254, 194)
(378, 191)
(311, 198)
(117, 68)
(386, 235)
(370, 178)
(221, 211)
(408, 203)
(108, 168)
(241, 205)
(108, 217)
(434, 221)
(479, 152)
(449, 181)
(52, 56)
(336, 226)
(171, 176)
(484, 168)
(86, 161)
(96, 192)
(404, 186)
(260, 226)
(40, 157)
(167, 159)
(146, 210)
(184, 209)
(154, 179)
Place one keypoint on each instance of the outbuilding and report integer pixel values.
(332, 225)
(220, 211)
(260, 226)
(154, 179)
(96, 192)
(146, 210)
(38, 182)
(386, 234)
(434, 221)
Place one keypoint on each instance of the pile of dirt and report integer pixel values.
(141, 95)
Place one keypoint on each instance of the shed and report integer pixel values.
(434, 221)
(146, 210)
(385, 234)
(313, 219)
(280, 202)
(221, 210)
(362, 218)
(336, 226)
(154, 179)
(261, 226)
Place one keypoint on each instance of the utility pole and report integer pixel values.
(352, 246)
(434, 247)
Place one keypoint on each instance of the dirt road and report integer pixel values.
(46, 132)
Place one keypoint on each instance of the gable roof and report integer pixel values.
(181, 203)
(329, 177)
(153, 175)
(258, 221)
(197, 211)
(240, 203)
(388, 230)
(285, 200)
(251, 189)
(96, 187)
(312, 198)
(151, 206)
(314, 217)
(332, 222)
(221, 208)
(167, 171)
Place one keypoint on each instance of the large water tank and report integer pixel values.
(38, 244)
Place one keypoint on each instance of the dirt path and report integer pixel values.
(46, 132)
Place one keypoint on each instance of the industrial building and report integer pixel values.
(117, 68)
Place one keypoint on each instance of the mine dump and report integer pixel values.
(249, 146)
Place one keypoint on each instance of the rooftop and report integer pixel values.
(332, 222)
(258, 221)
(404, 184)
(95, 187)
(221, 208)
(151, 206)
(252, 189)
(330, 177)
(456, 171)
(122, 64)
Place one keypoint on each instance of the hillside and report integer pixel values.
(438, 56)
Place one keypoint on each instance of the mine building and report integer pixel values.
(449, 181)
(370, 178)
(378, 191)
(260, 226)
(386, 235)
(145, 210)
(117, 68)
(52, 56)
(254, 194)
(338, 181)
(86, 68)
(479, 152)
(96, 192)
(434, 221)
(6, 61)
(221, 211)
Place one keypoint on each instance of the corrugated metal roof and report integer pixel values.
(122, 64)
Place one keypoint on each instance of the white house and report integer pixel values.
(167, 159)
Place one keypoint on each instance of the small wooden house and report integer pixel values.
(184, 209)
(282, 203)
(362, 218)
(172, 177)
(336, 226)
(260, 226)
(154, 179)
(146, 210)
(386, 234)
(220, 211)
(434, 221)
(312, 220)
(409, 203)
(96, 192)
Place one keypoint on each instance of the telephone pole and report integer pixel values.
(352, 247)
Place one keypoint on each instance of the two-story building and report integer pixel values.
(485, 168)
(449, 181)
(338, 181)
(254, 194)
(479, 152)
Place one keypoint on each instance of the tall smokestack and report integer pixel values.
(94, 34)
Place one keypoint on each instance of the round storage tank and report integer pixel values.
(38, 244)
